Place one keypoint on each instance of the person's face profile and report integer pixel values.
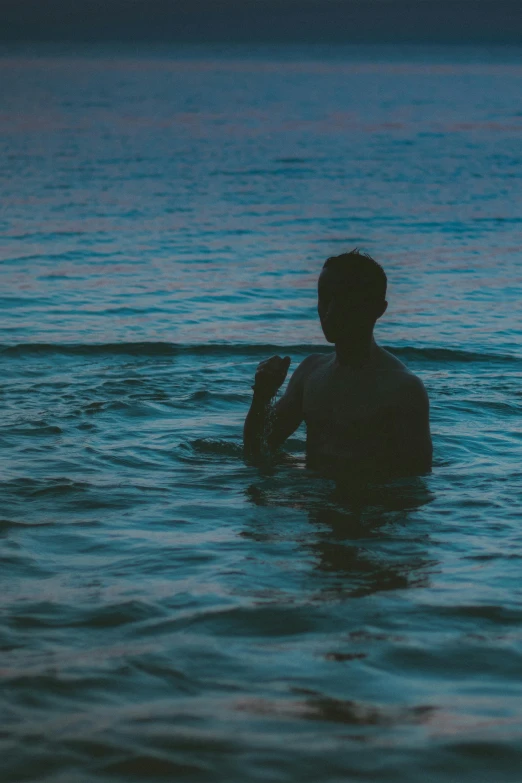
(345, 307)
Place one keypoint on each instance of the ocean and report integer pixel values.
(170, 611)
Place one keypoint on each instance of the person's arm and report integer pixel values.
(267, 426)
(414, 449)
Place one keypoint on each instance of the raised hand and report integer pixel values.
(270, 375)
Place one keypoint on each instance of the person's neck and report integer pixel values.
(357, 353)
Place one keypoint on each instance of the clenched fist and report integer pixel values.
(270, 375)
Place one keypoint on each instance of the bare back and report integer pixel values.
(376, 416)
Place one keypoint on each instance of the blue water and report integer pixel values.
(170, 612)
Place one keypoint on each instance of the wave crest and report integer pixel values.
(154, 349)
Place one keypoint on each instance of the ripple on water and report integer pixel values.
(169, 611)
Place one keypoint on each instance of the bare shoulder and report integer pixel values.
(414, 387)
(309, 365)
(408, 386)
(411, 391)
(387, 361)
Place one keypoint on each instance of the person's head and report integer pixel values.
(352, 295)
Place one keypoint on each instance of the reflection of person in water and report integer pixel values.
(364, 537)
(362, 407)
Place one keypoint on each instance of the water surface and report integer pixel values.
(170, 611)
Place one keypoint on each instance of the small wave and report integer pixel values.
(34, 487)
(153, 349)
(152, 766)
(291, 160)
(45, 614)
(212, 447)
(289, 167)
(491, 613)
(320, 707)
(450, 355)
(34, 429)
(6, 524)
(201, 394)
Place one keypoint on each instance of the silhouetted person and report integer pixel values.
(364, 410)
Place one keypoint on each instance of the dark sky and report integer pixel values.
(351, 21)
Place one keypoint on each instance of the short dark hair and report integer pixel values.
(361, 270)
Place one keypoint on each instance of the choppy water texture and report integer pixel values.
(170, 612)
